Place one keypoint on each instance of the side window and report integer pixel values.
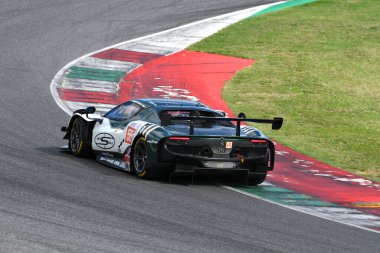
(149, 115)
(153, 117)
(123, 111)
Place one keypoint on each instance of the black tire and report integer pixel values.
(140, 157)
(256, 179)
(140, 161)
(79, 143)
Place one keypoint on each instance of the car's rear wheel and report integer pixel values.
(140, 157)
(141, 161)
(256, 179)
(258, 176)
(78, 141)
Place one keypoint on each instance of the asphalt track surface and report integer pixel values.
(52, 202)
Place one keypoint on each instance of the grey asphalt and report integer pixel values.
(53, 202)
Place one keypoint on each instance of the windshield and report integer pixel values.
(124, 111)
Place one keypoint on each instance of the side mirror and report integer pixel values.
(90, 110)
(277, 123)
(166, 119)
(242, 115)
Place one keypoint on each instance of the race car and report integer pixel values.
(158, 137)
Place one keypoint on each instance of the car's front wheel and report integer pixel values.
(78, 140)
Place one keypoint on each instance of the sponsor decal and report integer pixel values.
(104, 141)
(229, 144)
(106, 154)
(129, 135)
(115, 163)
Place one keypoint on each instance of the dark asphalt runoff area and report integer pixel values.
(53, 202)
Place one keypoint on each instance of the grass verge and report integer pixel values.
(318, 66)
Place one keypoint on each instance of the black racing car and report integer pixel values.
(155, 137)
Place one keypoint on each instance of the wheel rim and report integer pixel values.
(75, 137)
(140, 156)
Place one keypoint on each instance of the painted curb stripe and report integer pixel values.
(106, 64)
(338, 214)
(282, 6)
(367, 205)
(87, 96)
(126, 55)
(94, 74)
(145, 46)
(89, 85)
(285, 196)
(311, 177)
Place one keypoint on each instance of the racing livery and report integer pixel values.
(157, 137)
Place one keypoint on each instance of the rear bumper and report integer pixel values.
(240, 176)
(188, 157)
(189, 168)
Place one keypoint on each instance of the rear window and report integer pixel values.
(197, 123)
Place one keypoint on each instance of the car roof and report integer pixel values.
(162, 104)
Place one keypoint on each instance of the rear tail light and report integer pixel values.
(259, 141)
(179, 138)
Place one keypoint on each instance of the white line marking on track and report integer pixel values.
(319, 212)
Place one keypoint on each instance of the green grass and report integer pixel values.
(318, 66)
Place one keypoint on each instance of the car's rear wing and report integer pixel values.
(167, 118)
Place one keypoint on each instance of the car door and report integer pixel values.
(109, 135)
